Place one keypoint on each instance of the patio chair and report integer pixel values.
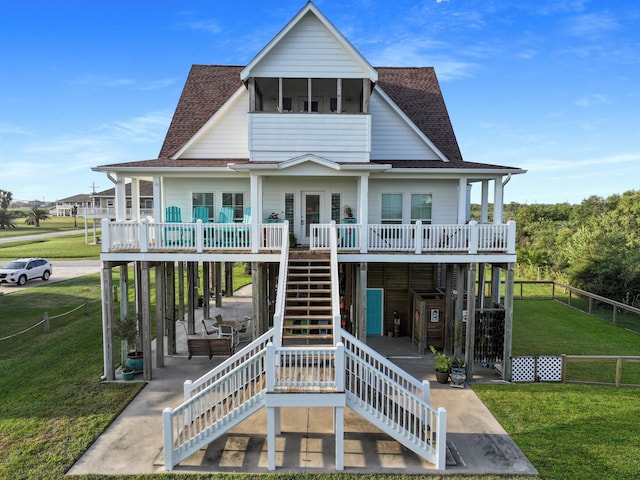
(172, 234)
(244, 331)
(201, 213)
(224, 235)
(206, 331)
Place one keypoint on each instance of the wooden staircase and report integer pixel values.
(307, 313)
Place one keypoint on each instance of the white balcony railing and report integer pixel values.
(471, 238)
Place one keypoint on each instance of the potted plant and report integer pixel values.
(127, 330)
(348, 215)
(127, 372)
(458, 373)
(443, 365)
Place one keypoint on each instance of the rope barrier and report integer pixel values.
(46, 320)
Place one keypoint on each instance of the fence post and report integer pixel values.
(46, 322)
(615, 315)
(86, 306)
(564, 368)
(618, 371)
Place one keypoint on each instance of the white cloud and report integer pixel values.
(207, 26)
(103, 81)
(593, 100)
(591, 25)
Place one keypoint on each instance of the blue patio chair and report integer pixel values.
(223, 234)
(201, 213)
(172, 234)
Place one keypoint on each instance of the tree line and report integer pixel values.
(594, 245)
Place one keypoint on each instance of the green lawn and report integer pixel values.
(54, 224)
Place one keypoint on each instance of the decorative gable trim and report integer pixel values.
(311, 8)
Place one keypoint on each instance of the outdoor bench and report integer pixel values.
(209, 347)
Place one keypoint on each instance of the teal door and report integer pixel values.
(374, 311)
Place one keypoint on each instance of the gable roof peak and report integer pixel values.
(310, 8)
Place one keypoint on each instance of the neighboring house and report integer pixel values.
(309, 144)
(103, 203)
(64, 206)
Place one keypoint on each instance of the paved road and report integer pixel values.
(62, 270)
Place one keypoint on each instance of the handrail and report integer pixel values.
(335, 285)
(258, 345)
(281, 293)
(394, 401)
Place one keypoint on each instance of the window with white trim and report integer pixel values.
(421, 207)
(235, 200)
(391, 208)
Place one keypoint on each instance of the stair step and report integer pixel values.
(300, 316)
(310, 308)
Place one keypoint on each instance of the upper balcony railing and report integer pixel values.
(472, 238)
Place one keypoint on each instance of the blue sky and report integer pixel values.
(549, 86)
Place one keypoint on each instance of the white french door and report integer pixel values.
(310, 214)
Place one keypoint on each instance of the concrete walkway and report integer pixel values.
(132, 444)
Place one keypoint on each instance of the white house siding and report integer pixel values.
(444, 198)
(344, 138)
(226, 137)
(392, 138)
(309, 50)
(274, 189)
(177, 191)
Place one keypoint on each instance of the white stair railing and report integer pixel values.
(394, 401)
(216, 402)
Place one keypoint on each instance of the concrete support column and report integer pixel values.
(206, 291)
(260, 315)
(457, 328)
(145, 304)
(107, 323)
(160, 314)
(170, 307)
(124, 306)
(361, 303)
(449, 307)
(508, 321)
(471, 320)
(495, 285)
(192, 296)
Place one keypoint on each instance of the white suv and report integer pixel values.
(23, 269)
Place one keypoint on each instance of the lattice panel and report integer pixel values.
(523, 369)
(541, 368)
(549, 369)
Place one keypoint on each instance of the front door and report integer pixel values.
(374, 311)
(311, 202)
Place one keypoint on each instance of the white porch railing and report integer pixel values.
(147, 236)
(394, 401)
(418, 238)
